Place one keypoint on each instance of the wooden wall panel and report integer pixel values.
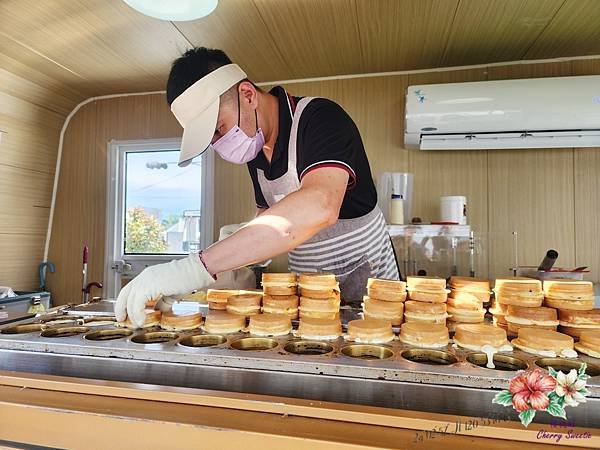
(404, 35)
(21, 254)
(32, 112)
(292, 22)
(573, 31)
(377, 107)
(107, 45)
(485, 31)
(77, 211)
(237, 27)
(102, 47)
(531, 192)
(587, 193)
(61, 101)
(29, 146)
(26, 196)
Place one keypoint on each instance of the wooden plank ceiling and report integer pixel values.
(101, 47)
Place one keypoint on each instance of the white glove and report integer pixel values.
(176, 278)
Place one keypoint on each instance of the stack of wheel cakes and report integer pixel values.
(385, 300)
(217, 298)
(427, 300)
(246, 304)
(319, 308)
(151, 319)
(465, 303)
(319, 295)
(186, 321)
(425, 313)
(370, 331)
(280, 294)
(229, 309)
(519, 302)
(574, 300)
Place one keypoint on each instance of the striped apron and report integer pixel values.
(352, 249)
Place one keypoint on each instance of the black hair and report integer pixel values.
(191, 66)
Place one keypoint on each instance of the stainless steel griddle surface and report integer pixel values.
(393, 374)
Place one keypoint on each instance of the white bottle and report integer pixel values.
(397, 209)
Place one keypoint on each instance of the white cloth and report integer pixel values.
(6, 292)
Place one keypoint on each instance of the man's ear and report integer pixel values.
(248, 92)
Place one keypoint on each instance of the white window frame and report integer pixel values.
(115, 260)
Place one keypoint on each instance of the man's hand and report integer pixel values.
(176, 278)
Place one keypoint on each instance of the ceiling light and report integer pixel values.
(176, 10)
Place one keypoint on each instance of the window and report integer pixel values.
(156, 210)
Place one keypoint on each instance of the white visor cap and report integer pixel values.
(197, 109)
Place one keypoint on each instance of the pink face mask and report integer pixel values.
(236, 146)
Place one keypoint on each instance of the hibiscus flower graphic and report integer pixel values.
(529, 390)
(536, 390)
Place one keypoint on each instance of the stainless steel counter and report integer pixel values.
(449, 380)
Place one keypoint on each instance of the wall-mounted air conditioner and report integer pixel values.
(528, 113)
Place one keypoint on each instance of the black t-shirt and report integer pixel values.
(327, 137)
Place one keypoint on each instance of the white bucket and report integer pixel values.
(453, 208)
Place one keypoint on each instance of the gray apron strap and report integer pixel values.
(274, 190)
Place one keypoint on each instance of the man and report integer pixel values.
(312, 182)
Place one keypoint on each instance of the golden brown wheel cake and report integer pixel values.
(425, 312)
(270, 325)
(180, 322)
(381, 309)
(464, 303)
(279, 283)
(574, 332)
(427, 289)
(569, 294)
(217, 298)
(281, 304)
(578, 318)
(388, 290)
(545, 343)
(244, 304)
(540, 316)
(568, 289)
(326, 308)
(430, 297)
(152, 320)
(462, 315)
(475, 336)
(470, 284)
(221, 322)
(318, 285)
(519, 291)
(425, 335)
(319, 329)
(470, 288)
(425, 284)
(370, 331)
(589, 343)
